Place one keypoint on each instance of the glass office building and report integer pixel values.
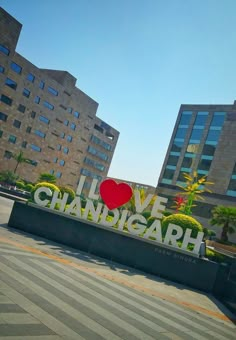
(203, 140)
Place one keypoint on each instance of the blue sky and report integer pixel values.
(140, 60)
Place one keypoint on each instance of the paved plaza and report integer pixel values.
(49, 292)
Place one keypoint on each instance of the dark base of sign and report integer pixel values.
(117, 246)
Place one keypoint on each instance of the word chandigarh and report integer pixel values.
(114, 195)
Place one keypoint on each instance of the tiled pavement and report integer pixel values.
(45, 299)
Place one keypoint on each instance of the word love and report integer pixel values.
(108, 215)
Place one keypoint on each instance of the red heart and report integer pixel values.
(115, 194)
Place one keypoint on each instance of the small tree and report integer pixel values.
(194, 188)
(19, 157)
(46, 177)
(8, 177)
(226, 217)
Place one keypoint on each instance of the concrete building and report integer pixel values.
(45, 115)
(203, 140)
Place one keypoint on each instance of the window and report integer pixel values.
(16, 68)
(21, 108)
(188, 161)
(196, 134)
(28, 129)
(11, 83)
(72, 126)
(86, 172)
(52, 91)
(3, 117)
(37, 99)
(66, 150)
(218, 119)
(26, 93)
(172, 160)
(58, 147)
(208, 149)
(30, 77)
(1, 133)
(168, 174)
(201, 118)
(66, 122)
(48, 105)
(35, 148)
(98, 128)
(41, 84)
(55, 159)
(177, 146)
(58, 174)
(6, 100)
(24, 144)
(12, 139)
(76, 114)
(33, 114)
(181, 133)
(97, 153)
(32, 162)
(94, 164)
(69, 138)
(98, 141)
(44, 119)
(213, 136)
(62, 162)
(7, 154)
(39, 133)
(62, 135)
(204, 164)
(51, 172)
(4, 50)
(185, 117)
(1, 69)
(69, 109)
(17, 123)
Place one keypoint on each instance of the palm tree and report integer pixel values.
(226, 217)
(19, 157)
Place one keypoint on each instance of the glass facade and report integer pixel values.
(185, 117)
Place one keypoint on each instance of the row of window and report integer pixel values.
(89, 173)
(30, 77)
(100, 142)
(97, 153)
(61, 162)
(94, 164)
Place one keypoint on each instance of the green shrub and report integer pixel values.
(42, 195)
(150, 221)
(69, 191)
(29, 187)
(208, 233)
(146, 214)
(214, 256)
(20, 185)
(184, 221)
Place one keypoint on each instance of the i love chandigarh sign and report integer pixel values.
(114, 196)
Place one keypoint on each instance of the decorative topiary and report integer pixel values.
(69, 191)
(42, 195)
(184, 221)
